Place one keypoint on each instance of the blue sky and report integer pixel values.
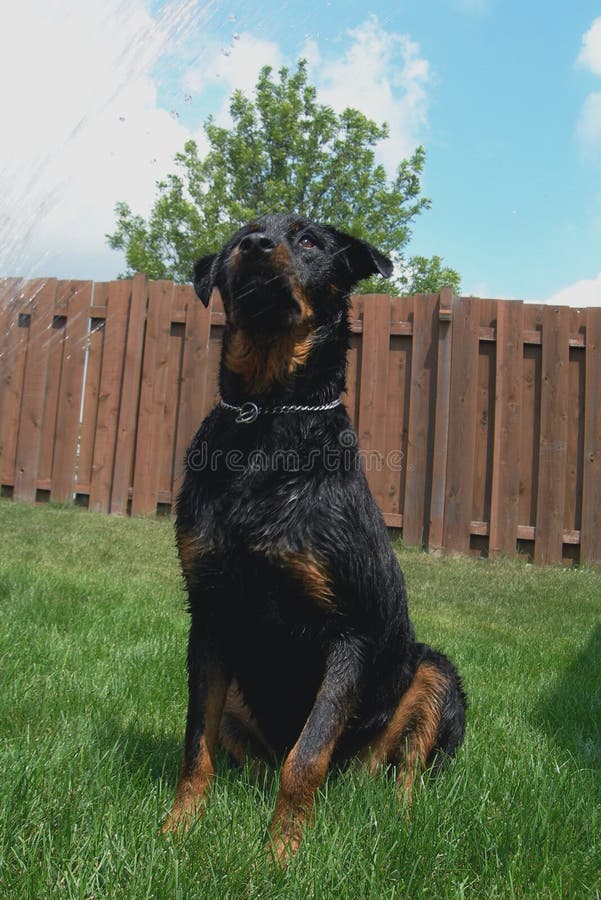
(505, 96)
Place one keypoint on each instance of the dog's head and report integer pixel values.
(283, 270)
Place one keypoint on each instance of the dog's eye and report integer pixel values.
(306, 243)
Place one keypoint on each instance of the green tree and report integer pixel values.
(284, 152)
(423, 275)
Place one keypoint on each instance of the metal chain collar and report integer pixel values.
(249, 411)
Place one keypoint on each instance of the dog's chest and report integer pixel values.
(261, 545)
(243, 494)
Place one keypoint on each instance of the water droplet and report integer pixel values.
(122, 118)
(226, 51)
(236, 36)
(188, 98)
(174, 114)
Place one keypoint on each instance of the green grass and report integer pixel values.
(92, 704)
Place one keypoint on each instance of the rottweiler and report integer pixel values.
(300, 649)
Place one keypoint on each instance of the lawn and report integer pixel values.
(92, 652)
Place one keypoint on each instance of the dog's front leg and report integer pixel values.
(207, 685)
(306, 765)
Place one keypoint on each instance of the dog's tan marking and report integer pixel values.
(280, 258)
(312, 572)
(239, 732)
(265, 360)
(296, 797)
(306, 567)
(303, 302)
(234, 257)
(195, 778)
(410, 735)
(190, 547)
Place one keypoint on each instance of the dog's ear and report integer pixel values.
(361, 258)
(205, 276)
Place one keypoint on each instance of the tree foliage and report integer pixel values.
(284, 152)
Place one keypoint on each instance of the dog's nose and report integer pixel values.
(256, 244)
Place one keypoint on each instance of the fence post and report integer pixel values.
(152, 399)
(13, 349)
(424, 345)
(505, 491)
(40, 308)
(109, 394)
(128, 410)
(194, 377)
(71, 387)
(441, 423)
(590, 540)
(548, 544)
(374, 389)
(462, 424)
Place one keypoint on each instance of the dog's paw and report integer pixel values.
(182, 817)
(282, 848)
(176, 822)
(284, 839)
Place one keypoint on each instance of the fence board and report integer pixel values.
(485, 414)
(423, 372)
(71, 387)
(194, 376)
(109, 394)
(171, 408)
(572, 515)
(462, 426)
(215, 340)
(590, 548)
(396, 414)
(91, 395)
(13, 350)
(505, 487)
(56, 340)
(548, 544)
(441, 426)
(530, 416)
(374, 390)
(41, 310)
(575, 424)
(353, 371)
(128, 409)
(484, 421)
(152, 399)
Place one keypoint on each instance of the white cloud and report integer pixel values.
(341, 81)
(590, 52)
(588, 129)
(84, 129)
(235, 67)
(310, 52)
(84, 124)
(478, 289)
(580, 294)
(392, 87)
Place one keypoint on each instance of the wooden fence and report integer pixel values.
(479, 420)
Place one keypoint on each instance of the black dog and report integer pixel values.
(300, 647)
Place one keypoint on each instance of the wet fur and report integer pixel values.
(301, 648)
